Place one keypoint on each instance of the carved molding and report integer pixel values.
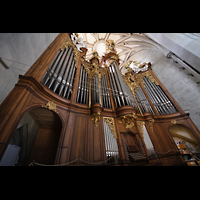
(95, 118)
(50, 105)
(140, 127)
(128, 120)
(150, 123)
(111, 124)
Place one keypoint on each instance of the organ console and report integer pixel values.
(103, 111)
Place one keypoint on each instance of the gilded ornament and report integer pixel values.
(50, 105)
(140, 127)
(128, 120)
(111, 124)
(95, 118)
(150, 123)
(173, 121)
(110, 46)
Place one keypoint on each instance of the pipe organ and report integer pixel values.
(102, 109)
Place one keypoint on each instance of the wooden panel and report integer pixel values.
(45, 146)
(78, 146)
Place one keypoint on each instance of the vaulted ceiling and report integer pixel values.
(127, 45)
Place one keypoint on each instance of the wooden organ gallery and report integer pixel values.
(95, 114)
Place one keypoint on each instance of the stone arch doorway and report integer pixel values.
(180, 132)
(36, 137)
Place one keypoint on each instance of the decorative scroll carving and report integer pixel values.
(128, 120)
(95, 118)
(51, 106)
(140, 127)
(111, 124)
(173, 121)
(150, 123)
(92, 68)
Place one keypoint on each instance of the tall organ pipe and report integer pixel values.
(162, 99)
(51, 68)
(63, 67)
(71, 81)
(79, 84)
(82, 85)
(67, 82)
(87, 89)
(58, 67)
(115, 88)
(68, 67)
(158, 97)
(103, 91)
(118, 85)
(116, 75)
(165, 96)
(153, 96)
(107, 95)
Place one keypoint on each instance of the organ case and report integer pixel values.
(104, 113)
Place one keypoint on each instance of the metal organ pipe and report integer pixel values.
(107, 92)
(162, 100)
(115, 91)
(61, 72)
(149, 92)
(71, 82)
(118, 85)
(58, 67)
(83, 91)
(112, 88)
(167, 99)
(79, 84)
(68, 67)
(117, 78)
(63, 66)
(110, 144)
(82, 84)
(161, 105)
(67, 82)
(51, 68)
(159, 99)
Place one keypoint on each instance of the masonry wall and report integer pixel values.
(182, 86)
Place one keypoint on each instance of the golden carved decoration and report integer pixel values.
(51, 106)
(110, 45)
(150, 123)
(128, 120)
(173, 121)
(140, 127)
(95, 118)
(111, 124)
(67, 43)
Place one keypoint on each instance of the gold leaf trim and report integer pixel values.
(50, 105)
(128, 120)
(111, 124)
(95, 118)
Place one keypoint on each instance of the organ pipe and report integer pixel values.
(61, 72)
(93, 88)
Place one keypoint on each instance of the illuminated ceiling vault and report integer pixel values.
(127, 45)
